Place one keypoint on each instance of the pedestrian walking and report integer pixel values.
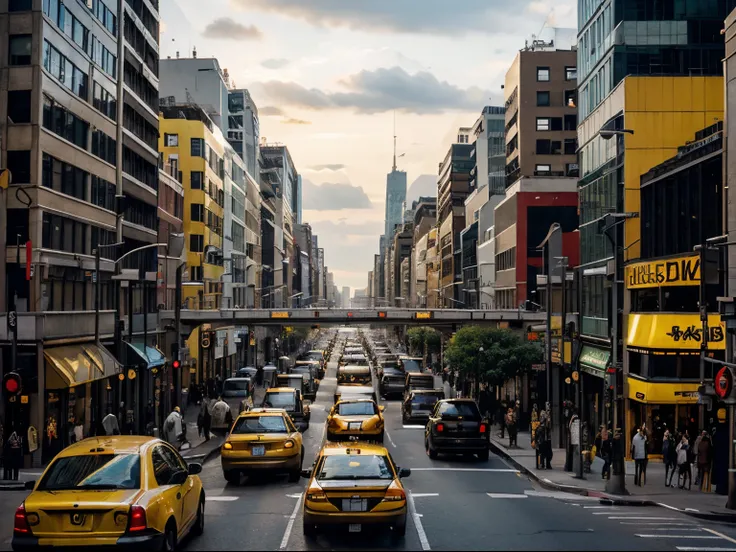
(502, 418)
(669, 456)
(204, 419)
(704, 452)
(540, 441)
(683, 463)
(511, 426)
(639, 453)
(606, 451)
(110, 423)
(174, 428)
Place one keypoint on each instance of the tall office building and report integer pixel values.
(638, 62)
(79, 127)
(395, 199)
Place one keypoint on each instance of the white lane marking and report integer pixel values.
(417, 522)
(647, 536)
(600, 508)
(691, 510)
(559, 495)
(422, 495)
(490, 470)
(639, 518)
(290, 525)
(713, 531)
(221, 498)
(695, 529)
(297, 495)
(506, 495)
(658, 523)
(668, 506)
(704, 549)
(413, 426)
(390, 440)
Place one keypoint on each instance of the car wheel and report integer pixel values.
(430, 451)
(399, 531)
(232, 476)
(198, 528)
(484, 455)
(309, 529)
(169, 544)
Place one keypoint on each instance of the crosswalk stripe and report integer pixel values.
(221, 498)
(600, 507)
(413, 426)
(706, 537)
(640, 518)
(704, 549)
(506, 495)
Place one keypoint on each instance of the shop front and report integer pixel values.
(593, 365)
(78, 392)
(663, 359)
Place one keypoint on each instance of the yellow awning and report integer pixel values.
(662, 393)
(76, 364)
(674, 332)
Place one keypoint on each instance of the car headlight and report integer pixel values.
(227, 446)
(289, 444)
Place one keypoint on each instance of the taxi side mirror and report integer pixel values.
(404, 472)
(306, 474)
(381, 408)
(194, 468)
(29, 485)
(179, 477)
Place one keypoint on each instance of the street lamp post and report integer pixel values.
(477, 376)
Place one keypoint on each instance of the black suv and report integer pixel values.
(456, 426)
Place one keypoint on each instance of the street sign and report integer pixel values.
(131, 374)
(575, 432)
(284, 314)
(12, 320)
(24, 399)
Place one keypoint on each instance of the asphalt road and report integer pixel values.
(455, 504)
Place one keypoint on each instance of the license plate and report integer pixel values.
(258, 451)
(355, 426)
(354, 528)
(79, 522)
(354, 505)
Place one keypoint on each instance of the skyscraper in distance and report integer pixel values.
(395, 198)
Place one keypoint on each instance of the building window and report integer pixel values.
(196, 178)
(103, 146)
(63, 177)
(543, 147)
(196, 243)
(197, 212)
(197, 147)
(19, 106)
(543, 98)
(64, 234)
(64, 123)
(104, 102)
(571, 146)
(506, 260)
(571, 122)
(19, 5)
(542, 169)
(571, 98)
(571, 73)
(64, 70)
(171, 140)
(19, 51)
(542, 74)
(543, 123)
(103, 193)
(19, 163)
(104, 58)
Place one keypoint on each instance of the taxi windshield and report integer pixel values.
(238, 386)
(363, 408)
(425, 398)
(93, 471)
(280, 400)
(355, 466)
(259, 424)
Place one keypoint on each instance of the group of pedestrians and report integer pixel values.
(679, 456)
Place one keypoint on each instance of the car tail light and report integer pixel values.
(316, 494)
(228, 446)
(137, 519)
(483, 428)
(394, 493)
(21, 522)
(440, 428)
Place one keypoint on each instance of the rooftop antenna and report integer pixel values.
(394, 169)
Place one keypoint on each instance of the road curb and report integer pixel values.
(614, 500)
(20, 486)
(204, 457)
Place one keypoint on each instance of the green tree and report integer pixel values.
(505, 354)
(421, 336)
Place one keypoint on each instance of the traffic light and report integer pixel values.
(723, 383)
(176, 364)
(12, 384)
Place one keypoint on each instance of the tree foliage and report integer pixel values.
(505, 354)
(421, 335)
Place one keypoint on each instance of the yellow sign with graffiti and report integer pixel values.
(662, 393)
(674, 332)
(680, 271)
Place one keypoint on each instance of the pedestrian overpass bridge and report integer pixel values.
(191, 319)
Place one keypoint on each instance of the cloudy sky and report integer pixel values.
(329, 75)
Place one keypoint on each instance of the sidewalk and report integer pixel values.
(654, 493)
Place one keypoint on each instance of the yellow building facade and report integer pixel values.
(197, 147)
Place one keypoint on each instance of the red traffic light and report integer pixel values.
(723, 382)
(176, 364)
(12, 383)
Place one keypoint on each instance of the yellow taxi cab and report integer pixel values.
(355, 419)
(262, 439)
(355, 486)
(123, 491)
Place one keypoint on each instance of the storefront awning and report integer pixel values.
(77, 364)
(674, 332)
(663, 393)
(152, 355)
(594, 360)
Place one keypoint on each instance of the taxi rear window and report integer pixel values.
(280, 400)
(93, 471)
(259, 424)
(356, 409)
(355, 466)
